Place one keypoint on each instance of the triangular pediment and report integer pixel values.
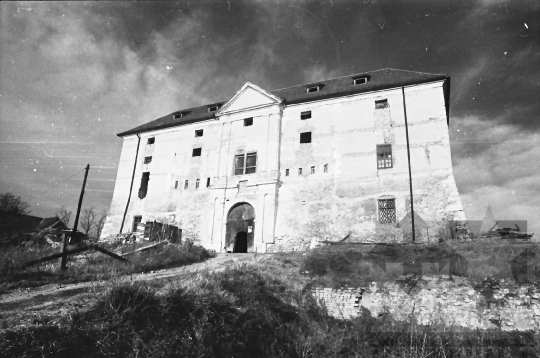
(249, 96)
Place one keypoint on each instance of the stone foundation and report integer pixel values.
(439, 299)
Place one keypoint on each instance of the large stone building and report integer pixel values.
(272, 171)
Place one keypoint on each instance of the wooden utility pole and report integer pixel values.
(74, 232)
(409, 160)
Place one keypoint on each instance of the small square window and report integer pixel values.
(248, 122)
(305, 115)
(326, 168)
(299, 171)
(151, 141)
(208, 182)
(286, 172)
(199, 133)
(383, 103)
(312, 170)
(305, 137)
(147, 160)
(186, 184)
(176, 184)
(196, 152)
(197, 184)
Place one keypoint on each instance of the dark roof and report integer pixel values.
(341, 86)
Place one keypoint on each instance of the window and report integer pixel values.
(199, 133)
(360, 80)
(383, 103)
(213, 108)
(147, 160)
(208, 182)
(196, 152)
(326, 168)
(144, 185)
(245, 164)
(384, 156)
(387, 211)
(197, 184)
(248, 122)
(305, 115)
(312, 170)
(136, 219)
(178, 115)
(176, 184)
(186, 184)
(305, 137)
(151, 141)
(299, 171)
(286, 172)
(314, 89)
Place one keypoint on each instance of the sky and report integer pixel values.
(73, 74)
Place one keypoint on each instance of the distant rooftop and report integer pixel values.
(341, 86)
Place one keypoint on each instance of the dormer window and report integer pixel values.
(312, 89)
(213, 108)
(361, 80)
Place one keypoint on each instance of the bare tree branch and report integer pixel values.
(100, 222)
(64, 215)
(87, 219)
(11, 204)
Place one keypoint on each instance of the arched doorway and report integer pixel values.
(240, 228)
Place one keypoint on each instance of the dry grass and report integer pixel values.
(252, 311)
(89, 266)
(265, 310)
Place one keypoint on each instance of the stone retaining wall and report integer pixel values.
(439, 299)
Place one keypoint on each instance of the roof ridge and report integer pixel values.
(424, 73)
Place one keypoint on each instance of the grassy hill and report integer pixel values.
(263, 310)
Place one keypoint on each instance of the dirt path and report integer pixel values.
(51, 295)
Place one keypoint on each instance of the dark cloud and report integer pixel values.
(73, 74)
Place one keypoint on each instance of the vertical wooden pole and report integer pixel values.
(74, 232)
(409, 160)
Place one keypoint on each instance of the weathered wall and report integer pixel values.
(345, 133)
(436, 299)
(292, 210)
(202, 212)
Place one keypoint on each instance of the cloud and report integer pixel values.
(502, 173)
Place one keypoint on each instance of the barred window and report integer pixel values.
(245, 163)
(384, 156)
(387, 211)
